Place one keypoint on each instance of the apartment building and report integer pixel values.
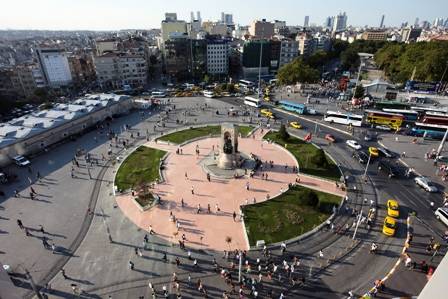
(217, 57)
(116, 70)
(289, 50)
(261, 29)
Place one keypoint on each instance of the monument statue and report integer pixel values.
(229, 157)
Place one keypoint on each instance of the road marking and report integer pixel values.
(313, 121)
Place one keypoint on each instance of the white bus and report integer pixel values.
(158, 94)
(254, 102)
(343, 118)
(246, 84)
(209, 93)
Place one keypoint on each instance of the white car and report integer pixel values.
(21, 161)
(353, 144)
(426, 184)
(442, 215)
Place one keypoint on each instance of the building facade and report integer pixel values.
(374, 35)
(55, 66)
(289, 51)
(116, 70)
(261, 29)
(251, 57)
(218, 57)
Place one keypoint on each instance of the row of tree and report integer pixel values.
(399, 61)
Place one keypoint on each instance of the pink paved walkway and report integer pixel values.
(227, 194)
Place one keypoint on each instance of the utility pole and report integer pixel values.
(33, 285)
(442, 143)
(357, 225)
(367, 166)
(240, 266)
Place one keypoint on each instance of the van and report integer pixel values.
(442, 215)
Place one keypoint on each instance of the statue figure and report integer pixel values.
(228, 147)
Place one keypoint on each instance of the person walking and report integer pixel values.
(53, 248)
(20, 224)
(131, 265)
(32, 190)
(234, 216)
(182, 202)
(192, 190)
(45, 243)
(41, 229)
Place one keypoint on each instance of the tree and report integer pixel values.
(206, 79)
(310, 197)
(359, 92)
(297, 71)
(319, 159)
(283, 133)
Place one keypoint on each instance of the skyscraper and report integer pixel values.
(191, 17)
(340, 22)
(198, 16)
(226, 18)
(382, 21)
(307, 21)
(329, 22)
(416, 22)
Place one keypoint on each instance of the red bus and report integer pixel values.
(435, 119)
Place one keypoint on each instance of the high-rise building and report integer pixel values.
(192, 17)
(409, 34)
(340, 22)
(226, 18)
(329, 22)
(171, 16)
(170, 26)
(382, 21)
(307, 44)
(416, 22)
(261, 29)
(438, 22)
(198, 16)
(55, 67)
(306, 23)
(217, 56)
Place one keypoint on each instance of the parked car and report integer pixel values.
(442, 215)
(353, 144)
(388, 168)
(426, 184)
(21, 161)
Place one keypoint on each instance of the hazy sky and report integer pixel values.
(124, 14)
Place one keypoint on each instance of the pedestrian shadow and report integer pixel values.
(44, 195)
(4, 218)
(3, 232)
(152, 274)
(83, 281)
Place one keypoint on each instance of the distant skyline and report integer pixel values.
(144, 14)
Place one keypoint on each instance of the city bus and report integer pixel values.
(423, 110)
(209, 93)
(246, 84)
(428, 130)
(409, 115)
(343, 118)
(391, 105)
(293, 107)
(254, 102)
(391, 120)
(158, 94)
(434, 118)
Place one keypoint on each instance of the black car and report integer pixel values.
(388, 168)
(361, 156)
(385, 152)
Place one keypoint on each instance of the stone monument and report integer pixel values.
(229, 157)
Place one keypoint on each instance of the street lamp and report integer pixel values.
(367, 166)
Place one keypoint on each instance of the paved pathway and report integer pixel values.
(204, 230)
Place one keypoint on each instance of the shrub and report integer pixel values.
(283, 133)
(319, 159)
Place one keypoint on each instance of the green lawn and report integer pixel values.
(287, 216)
(311, 160)
(142, 166)
(188, 134)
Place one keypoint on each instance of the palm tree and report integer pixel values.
(228, 241)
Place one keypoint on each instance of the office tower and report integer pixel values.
(382, 21)
(329, 22)
(416, 23)
(340, 22)
(226, 18)
(198, 16)
(307, 21)
(191, 17)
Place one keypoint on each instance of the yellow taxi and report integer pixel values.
(266, 112)
(295, 125)
(373, 151)
(390, 224)
(393, 210)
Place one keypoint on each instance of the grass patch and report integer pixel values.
(288, 215)
(188, 134)
(311, 160)
(142, 166)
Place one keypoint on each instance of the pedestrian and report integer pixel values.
(182, 202)
(38, 176)
(131, 265)
(195, 263)
(20, 224)
(41, 229)
(234, 216)
(53, 248)
(321, 254)
(27, 233)
(199, 208)
(192, 190)
(32, 190)
(16, 193)
(45, 243)
(186, 175)
(136, 250)
(217, 209)
(151, 231)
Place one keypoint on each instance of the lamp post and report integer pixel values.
(367, 166)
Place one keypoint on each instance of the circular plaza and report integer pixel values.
(205, 206)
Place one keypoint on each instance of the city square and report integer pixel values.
(246, 155)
